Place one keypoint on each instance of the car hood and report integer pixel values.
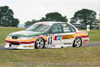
(25, 34)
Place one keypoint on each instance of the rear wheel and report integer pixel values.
(40, 43)
(77, 42)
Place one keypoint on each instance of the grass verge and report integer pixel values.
(4, 31)
(94, 35)
(66, 55)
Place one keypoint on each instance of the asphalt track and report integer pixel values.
(90, 44)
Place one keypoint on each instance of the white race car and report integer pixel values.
(47, 35)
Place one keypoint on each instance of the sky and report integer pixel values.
(27, 10)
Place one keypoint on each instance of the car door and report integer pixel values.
(68, 34)
(54, 37)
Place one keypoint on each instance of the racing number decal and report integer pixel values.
(49, 40)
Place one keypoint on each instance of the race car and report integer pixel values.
(48, 34)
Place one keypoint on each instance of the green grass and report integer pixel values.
(4, 31)
(94, 35)
(67, 55)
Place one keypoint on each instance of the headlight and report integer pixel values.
(25, 38)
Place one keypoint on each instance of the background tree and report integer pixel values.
(15, 22)
(6, 17)
(84, 16)
(54, 16)
(29, 23)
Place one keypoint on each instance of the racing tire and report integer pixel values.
(39, 43)
(77, 42)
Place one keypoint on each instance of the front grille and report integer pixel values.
(14, 37)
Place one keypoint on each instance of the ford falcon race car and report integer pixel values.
(47, 35)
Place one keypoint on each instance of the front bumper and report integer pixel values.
(19, 46)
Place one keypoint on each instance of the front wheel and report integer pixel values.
(77, 42)
(40, 43)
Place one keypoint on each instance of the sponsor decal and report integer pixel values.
(43, 23)
(31, 46)
(50, 46)
(85, 42)
(81, 34)
(55, 37)
(49, 39)
(53, 45)
(25, 46)
(67, 43)
(67, 36)
(28, 46)
(59, 37)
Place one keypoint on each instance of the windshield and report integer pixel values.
(38, 28)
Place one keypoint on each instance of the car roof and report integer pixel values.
(50, 22)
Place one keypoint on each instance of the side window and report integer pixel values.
(73, 29)
(56, 28)
(67, 28)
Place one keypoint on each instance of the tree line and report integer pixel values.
(6, 17)
(83, 16)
